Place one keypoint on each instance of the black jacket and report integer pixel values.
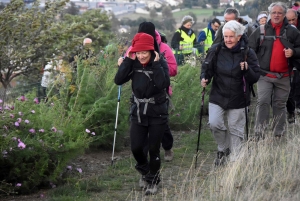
(143, 86)
(177, 37)
(264, 51)
(227, 89)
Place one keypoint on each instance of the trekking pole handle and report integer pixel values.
(119, 93)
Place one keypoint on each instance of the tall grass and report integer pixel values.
(266, 170)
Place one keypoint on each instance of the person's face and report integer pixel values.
(143, 56)
(230, 38)
(188, 25)
(262, 21)
(215, 26)
(228, 17)
(292, 18)
(277, 15)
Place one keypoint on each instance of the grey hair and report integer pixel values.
(234, 26)
(293, 11)
(234, 11)
(281, 4)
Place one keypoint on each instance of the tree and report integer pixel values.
(168, 19)
(72, 9)
(153, 13)
(30, 37)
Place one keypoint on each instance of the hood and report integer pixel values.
(157, 37)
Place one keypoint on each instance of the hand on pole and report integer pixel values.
(204, 82)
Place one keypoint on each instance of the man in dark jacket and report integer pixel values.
(294, 97)
(232, 14)
(280, 43)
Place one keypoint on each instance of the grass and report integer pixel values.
(119, 182)
(199, 12)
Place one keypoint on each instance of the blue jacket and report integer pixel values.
(202, 36)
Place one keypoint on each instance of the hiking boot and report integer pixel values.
(169, 154)
(291, 118)
(151, 189)
(221, 157)
(142, 183)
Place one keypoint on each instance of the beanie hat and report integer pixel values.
(149, 28)
(187, 19)
(261, 16)
(142, 42)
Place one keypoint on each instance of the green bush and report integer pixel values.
(37, 142)
(186, 98)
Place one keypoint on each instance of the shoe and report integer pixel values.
(221, 157)
(142, 183)
(291, 118)
(169, 154)
(151, 189)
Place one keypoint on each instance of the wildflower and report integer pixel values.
(14, 138)
(93, 133)
(52, 104)
(17, 124)
(69, 167)
(87, 130)
(1, 101)
(4, 154)
(32, 130)
(32, 111)
(41, 130)
(21, 144)
(20, 113)
(12, 107)
(53, 129)
(177, 114)
(26, 121)
(19, 120)
(79, 170)
(11, 115)
(18, 184)
(36, 100)
(6, 108)
(22, 98)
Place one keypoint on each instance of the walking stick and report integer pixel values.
(116, 124)
(200, 124)
(246, 111)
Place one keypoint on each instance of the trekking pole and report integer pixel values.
(200, 124)
(246, 111)
(116, 124)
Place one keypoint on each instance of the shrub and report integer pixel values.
(36, 143)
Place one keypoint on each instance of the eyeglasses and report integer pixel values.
(276, 13)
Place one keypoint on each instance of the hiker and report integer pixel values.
(207, 35)
(293, 103)
(229, 65)
(261, 19)
(279, 42)
(149, 75)
(149, 28)
(232, 14)
(184, 40)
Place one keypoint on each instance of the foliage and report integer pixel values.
(186, 98)
(94, 94)
(30, 37)
(37, 141)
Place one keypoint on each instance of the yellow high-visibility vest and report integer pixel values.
(187, 43)
(208, 41)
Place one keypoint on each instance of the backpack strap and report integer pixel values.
(262, 34)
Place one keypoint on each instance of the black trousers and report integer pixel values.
(138, 136)
(167, 140)
(294, 96)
